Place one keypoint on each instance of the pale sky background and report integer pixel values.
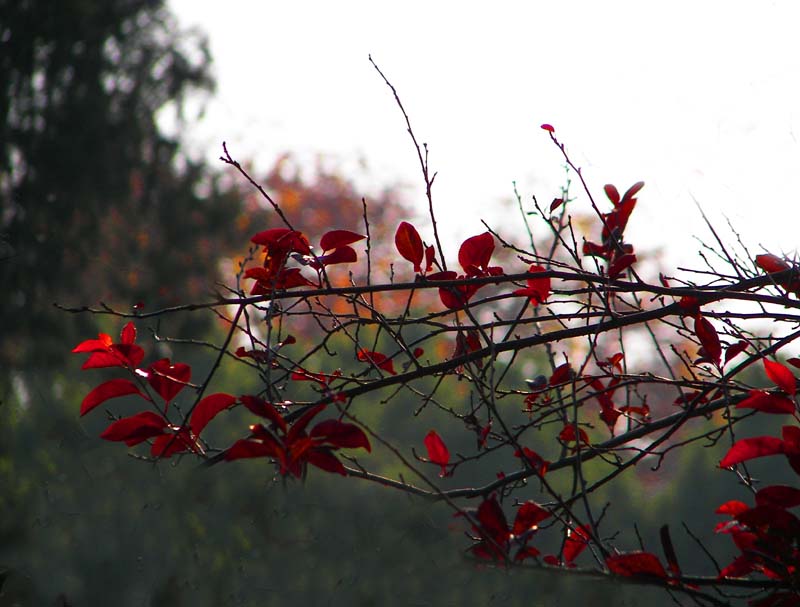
(699, 99)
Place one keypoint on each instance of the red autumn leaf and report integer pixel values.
(751, 448)
(634, 564)
(113, 388)
(437, 451)
(379, 360)
(529, 515)
(709, 339)
(732, 507)
(594, 250)
(246, 448)
(128, 334)
(102, 343)
(418, 352)
(456, 296)
(299, 427)
(207, 409)
(735, 349)
(430, 256)
(168, 379)
(475, 253)
(343, 254)
(533, 459)
(288, 278)
(795, 362)
(264, 409)
(338, 238)
(740, 567)
(167, 445)
(340, 434)
(105, 353)
(492, 521)
(767, 403)
(771, 263)
(547, 127)
(778, 495)
(283, 239)
(621, 264)
(576, 542)
(557, 202)
(325, 460)
(135, 429)
(781, 376)
(561, 375)
(409, 244)
(538, 289)
(612, 193)
(633, 190)
(689, 305)
(567, 434)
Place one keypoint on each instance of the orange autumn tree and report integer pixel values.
(449, 329)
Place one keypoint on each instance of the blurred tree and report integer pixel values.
(87, 173)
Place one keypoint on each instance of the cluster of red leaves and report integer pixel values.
(291, 445)
(495, 539)
(767, 535)
(612, 248)
(282, 243)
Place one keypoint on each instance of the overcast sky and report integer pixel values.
(699, 99)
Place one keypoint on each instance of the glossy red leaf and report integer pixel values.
(567, 434)
(246, 448)
(767, 403)
(344, 254)
(538, 289)
(101, 344)
(113, 388)
(409, 244)
(557, 202)
(379, 360)
(751, 448)
(117, 355)
(709, 339)
(620, 264)
(735, 349)
(533, 459)
(437, 451)
(168, 379)
(592, 249)
(633, 190)
(338, 238)
(493, 521)
(636, 564)
(264, 409)
(325, 460)
(430, 256)
(283, 239)
(561, 375)
(781, 376)
(128, 334)
(782, 496)
(612, 193)
(340, 434)
(795, 362)
(207, 409)
(289, 278)
(136, 428)
(299, 427)
(771, 263)
(576, 542)
(547, 127)
(529, 515)
(732, 507)
(475, 253)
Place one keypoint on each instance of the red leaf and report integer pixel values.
(283, 239)
(325, 460)
(538, 289)
(340, 434)
(299, 427)
(576, 542)
(534, 460)
(751, 448)
(529, 515)
(245, 448)
(795, 362)
(612, 193)
(621, 264)
(548, 128)
(409, 244)
(771, 263)
(778, 495)
(567, 434)
(437, 451)
(633, 190)
(343, 254)
(110, 389)
(735, 349)
(557, 202)
(781, 376)
(264, 409)
(561, 375)
(732, 507)
(594, 250)
(167, 445)
(635, 564)
(128, 334)
(475, 253)
(207, 409)
(116, 355)
(135, 429)
(101, 344)
(379, 360)
(493, 521)
(767, 403)
(168, 379)
(709, 339)
(430, 255)
(338, 238)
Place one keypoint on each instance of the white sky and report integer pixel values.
(696, 98)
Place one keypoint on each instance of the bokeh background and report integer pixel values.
(112, 115)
